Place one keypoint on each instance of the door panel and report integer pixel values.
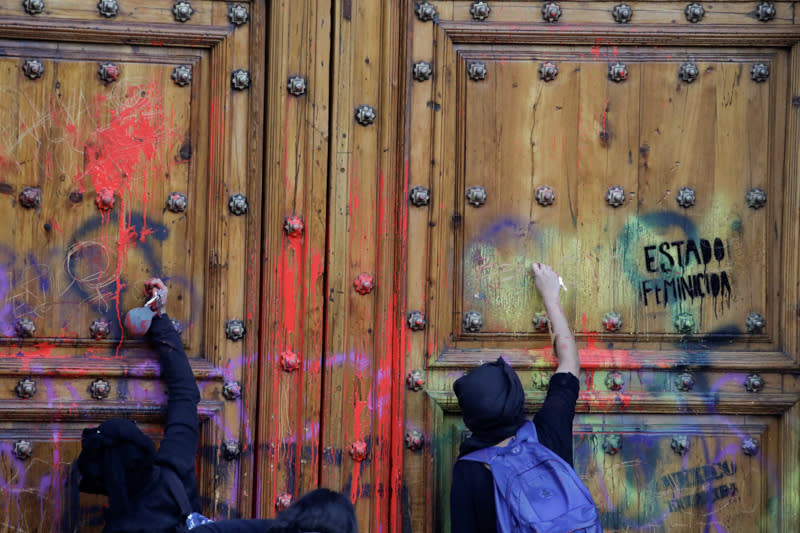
(633, 170)
(129, 169)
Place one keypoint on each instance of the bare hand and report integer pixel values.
(155, 290)
(546, 281)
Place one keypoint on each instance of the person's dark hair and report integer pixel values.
(320, 511)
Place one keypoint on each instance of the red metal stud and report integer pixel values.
(283, 501)
(364, 283)
(290, 361)
(415, 381)
(358, 451)
(414, 440)
(105, 199)
(30, 197)
(108, 72)
(294, 226)
(100, 329)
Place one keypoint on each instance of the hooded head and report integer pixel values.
(116, 460)
(320, 511)
(492, 403)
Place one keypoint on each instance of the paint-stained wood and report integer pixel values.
(580, 134)
(136, 141)
(294, 234)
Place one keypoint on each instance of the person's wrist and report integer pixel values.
(551, 299)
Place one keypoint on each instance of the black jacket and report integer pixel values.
(155, 509)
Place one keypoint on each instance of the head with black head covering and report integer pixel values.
(116, 459)
(319, 511)
(492, 403)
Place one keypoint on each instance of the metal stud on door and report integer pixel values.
(476, 196)
(33, 7)
(684, 382)
(100, 389)
(615, 381)
(422, 71)
(425, 11)
(548, 71)
(24, 327)
(30, 197)
(232, 390)
(294, 226)
(23, 450)
(756, 198)
(759, 72)
(540, 322)
(33, 68)
(618, 72)
(365, 115)
(176, 202)
(182, 75)
(231, 450)
(296, 85)
(680, 444)
(237, 204)
(622, 13)
(182, 11)
(688, 72)
(551, 12)
(240, 79)
(416, 321)
(765, 11)
(694, 12)
(108, 8)
(26, 388)
(415, 381)
(100, 328)
(108, 72)
(419, 196)
(472, 322)
(476, 70)
(237, 14)
(480, 10)
(615, 196)
(282, 501)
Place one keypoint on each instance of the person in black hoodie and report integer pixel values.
(148, 490)
(318, 511)
(492, 402)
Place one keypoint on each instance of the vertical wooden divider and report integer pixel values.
(367, 206)
(292, 301)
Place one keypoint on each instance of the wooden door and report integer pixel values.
(127, 150)
(653, 163)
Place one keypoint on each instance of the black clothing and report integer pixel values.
(472, 507)
(492, 403)
(146, 501)
(320, 510)
(178, 448)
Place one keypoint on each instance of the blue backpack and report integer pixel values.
(535, 490)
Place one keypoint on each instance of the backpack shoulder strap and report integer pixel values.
(484, 455)
(177, 489)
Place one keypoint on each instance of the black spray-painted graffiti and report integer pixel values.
(673, 259)
(701, 475)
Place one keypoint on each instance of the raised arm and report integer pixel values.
(563, 342)
(179, 447)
